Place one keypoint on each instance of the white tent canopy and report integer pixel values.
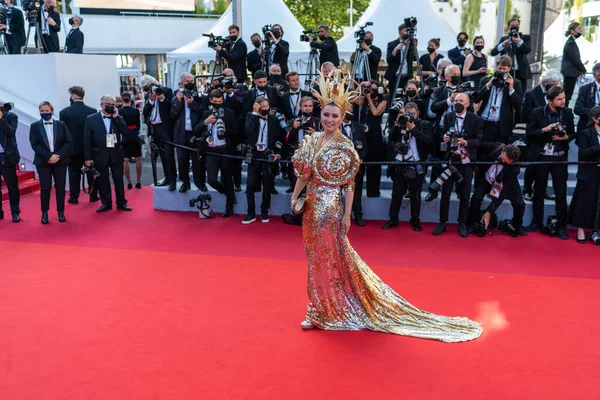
(386, 15)
(255, 15)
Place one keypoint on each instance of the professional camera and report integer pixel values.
(449, 173)
(513, 33)
(202, 198)
(551, 226)
(31, 10)
(507, 226)
(558, 129)
(228, 83)
(465, 86)
(247, 150)
(91, 169)
(219, 114)
(431, 80)
(6, 107)
(216, 40)
(306, 34)
(361, 32)
(410, 24)
(474, 96)
(281, 119)
(454, 137)
(155, 90)
(270, 154)
(269, 28)
(501, 78)
(594, 236)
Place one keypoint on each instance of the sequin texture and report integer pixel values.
(344, 293)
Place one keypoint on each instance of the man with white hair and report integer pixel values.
(102, 147)
(74, 40)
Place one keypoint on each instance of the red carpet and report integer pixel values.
(156, 305)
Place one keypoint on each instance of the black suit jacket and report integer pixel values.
(520, 53)
(508, 177)
(94, 140)
(275, 133)
(254, 61)
(233, 103)
(472, 127)
(282, 53)
(16, 39)
(8, 137)
(164, 109)
(533, 99)
(291, 137)
(510, 108)
(131, 116)
(571, 65)
(329, 51)
(74, 42)
(74, 117)
(178, 115)
(373, 59)
(423, 134)
(285, 106)
(394, 62)
(589, 150)
(250, 97)
(236, 59)
(359, 138)
(39, 143)
(456, 57)
(232, 130)
(439, 102)
(586, 100)
(536, 140)
(51, 43)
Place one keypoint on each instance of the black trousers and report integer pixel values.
(103, 183)
(225, 185)
(560, 173)
(569, 86)
(9, 173)
(198, 165)
(167, 152)
(75, 164)
(359, 180)
(464, 191)
(491, 133)
(236, 171)
(529, 179)
(482, 188)
(400, 185)
(59, 173)
(522, 79)
(259, 172)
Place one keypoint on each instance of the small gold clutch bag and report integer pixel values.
(300, 205)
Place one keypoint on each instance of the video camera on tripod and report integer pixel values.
(31, 9)
(361, 32)
(216, 40)
(307, 34)
(410, 24)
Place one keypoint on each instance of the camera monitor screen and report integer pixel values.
(156, 5)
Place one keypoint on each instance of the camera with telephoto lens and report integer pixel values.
(269, 28)
(431, 80)
(203, 199)
(270, 154)
(247, 151)
(219, 114)
(594, 237)
(6, 107)
(558, 129)
(216, 40)
(281, 119)
(451, 172)
(454, 138)
(91, 169)
(361, 32)
(227, 83)
(156, 90)
(31, 9)
(513, 33)
(307, 34)
(410, 24)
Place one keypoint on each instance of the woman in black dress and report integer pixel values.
(571, 66)
(584, 206)
(132, 147)
(371, 105)
(429, 61)
(476, 63)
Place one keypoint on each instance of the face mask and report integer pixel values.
(459, 108)
(306, 114)
(216, 106)
(461, 42)
(189, 86)
(275, 77)
(515, 28)
(577, 35)
(478, 47)
(276, 33)
(71, 21)
(431, 50)
(46, 116)
(321, 38)
(261, 88)
(455, 80)
(548, 87)
(51, 8)
(71, 100)
(256, 43)
(109, 109)
(233, 38)
(264, 113)
(368, 42)
(411, 92)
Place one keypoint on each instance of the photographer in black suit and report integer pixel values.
(254, 58)
(263, 137)
(411, 139)
(232, 95)
(157, 114)
(443, 97)
(279, 51)
(187, 113)
(260, 89)
(328, 47)
(397, 50)
(461, 143)
(235, 54)
(9, 159)
(501, 96)
(305, 123)
(51, 143)
(356, 132)
(74, 117)
(549, 132)
(102, 146)
(588, 98)
(219, 133)
(74, 40)
(16, 39)
(369, 52)
(571, 65)
(516, 45)
(458, 55)
(49, 22)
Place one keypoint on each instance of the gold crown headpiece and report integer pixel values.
(335, 88)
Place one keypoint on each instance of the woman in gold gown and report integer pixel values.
(344, 293)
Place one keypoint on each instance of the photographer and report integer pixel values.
(263, 140)
(235, 54)
(412, 94)
(231, 100)
(460, 145)
(276, 80)
(328, 47)
(411, 139)
(260, 89)
(49, 23)
(75, 39)
(9, 159)
(499, 181)
(16, 26)
(289, 102)
(459, 54)
(187, 113)
(443, 97)
(371, 53)
(74, 117)
(549, 132)
(516, 46)
(501, 96)
(429, 61)
(400, 51)
(157, 114)
(476, 64)
(218, 132)
(103, 150)
(433, 83)
(305, 123)
(279, 49)
(254, 58)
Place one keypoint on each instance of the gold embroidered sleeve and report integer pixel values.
(303, 158)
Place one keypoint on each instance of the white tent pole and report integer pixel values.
(351, 14)
(500, 20)
(236, 8)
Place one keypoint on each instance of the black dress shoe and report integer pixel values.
(389, 224)
(162, 182)
(124, 207)
(184, 188)
(129, 186)
(237, 188)
(416, 225)
(15, 217)
(172, 186)
(73, 200)
(103, 208)
(44, 217)
(227, 214)
(61, 217)
(203, 187)
(562, 234)
(533, 227)
(431, 196)
(359, 221)
(462, 230)
(138, 185)
(520, 230)
(549, 196)
(528, 196)
(441, 228)
(94, 198)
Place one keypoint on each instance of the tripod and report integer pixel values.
(3, 45)
(41, 44)
(217, 68)
(266, 56)
(412, 45)
(361, 58)
(312, 67)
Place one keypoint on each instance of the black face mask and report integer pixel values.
(514, 28)
(368, 42)
(321, 38)
(431, 50)
(71, 100)
(577, 35)
(257, 43)
(276, 33)
(306, 114)
(264, 113)
(461, 42)
(275, 77)
(479, 47)
(411, 93)
(233, 38)
(51, 8)
(548, 87)
(189, 86)
(459, 108)
(262, 88)
(455, 80)
(71, 21)
(109, 109)
(216, 106)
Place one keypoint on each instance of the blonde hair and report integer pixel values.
(46, 103)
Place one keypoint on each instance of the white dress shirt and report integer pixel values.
(188, 117)
(106, 122)
(347, 130)
(493, 172)
(295, 102)
(155, 115)
(49, 128)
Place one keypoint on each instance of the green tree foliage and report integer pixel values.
(219, 7)
(469, 19)
(333, 13)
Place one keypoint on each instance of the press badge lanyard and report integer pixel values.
(260, 146)
(296, 103)
(493, 105)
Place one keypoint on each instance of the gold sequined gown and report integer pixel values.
(344, 293)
